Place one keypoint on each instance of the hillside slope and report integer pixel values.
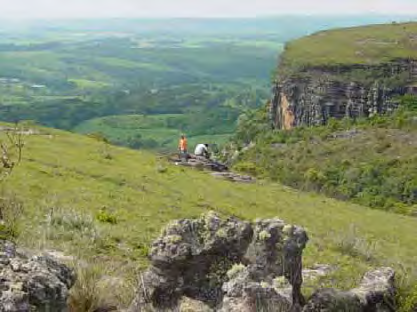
(354, 73)
(104, 204)
(370, 161)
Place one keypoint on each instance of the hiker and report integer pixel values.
(182, 148)
(201, 150)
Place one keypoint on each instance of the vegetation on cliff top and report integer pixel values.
(105, 204)
(367, 45)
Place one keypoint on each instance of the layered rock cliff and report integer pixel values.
(355, 77)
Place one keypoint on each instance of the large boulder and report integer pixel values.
(191, 258)
(376, 293)
(32, 283)
(199, 259)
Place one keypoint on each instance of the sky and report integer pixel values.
(24, 9)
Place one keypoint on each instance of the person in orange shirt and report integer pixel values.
(182, 147)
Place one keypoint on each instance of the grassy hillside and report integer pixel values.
(360, 45)
(105, 204)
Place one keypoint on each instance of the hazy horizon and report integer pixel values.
(161, 9)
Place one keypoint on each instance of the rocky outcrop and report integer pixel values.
(32, 283)
(229, 265)
(312, 95)
(376, 293)
(224, 263)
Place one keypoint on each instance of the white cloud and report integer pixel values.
(168, 8)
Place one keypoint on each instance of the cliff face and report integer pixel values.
(313, 95)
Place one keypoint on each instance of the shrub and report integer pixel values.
(85, 294)
(351, 244)
(69, 225)
(11, 209)
(315, 179)
(106, 217)
(409, 102)
(72, 221)
(95, 290)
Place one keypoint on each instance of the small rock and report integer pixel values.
(190, 305)
(375, 293)
(318, 270)
(331, 300)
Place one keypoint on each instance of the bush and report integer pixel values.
(106, 217)
(409, 102)
(246, 167)
(96, 290)
(351, 244)
(69, 224)
(11, 209)
(314, 178)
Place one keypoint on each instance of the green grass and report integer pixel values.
(373, 44)
(67, 182)
(164, 129)
(89, 84)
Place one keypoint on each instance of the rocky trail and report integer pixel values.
(216, 169)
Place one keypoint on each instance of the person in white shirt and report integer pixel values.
(202, 150)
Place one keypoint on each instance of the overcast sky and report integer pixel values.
(196, 8)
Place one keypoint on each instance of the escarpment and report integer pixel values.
(350, 73)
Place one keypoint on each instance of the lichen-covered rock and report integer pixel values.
(227, 264)
(377, 290)
(32, 283)
(331, 300)
(242, 293)
(376, 293)
(276, 251)
(189, 305)
(191, 259)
